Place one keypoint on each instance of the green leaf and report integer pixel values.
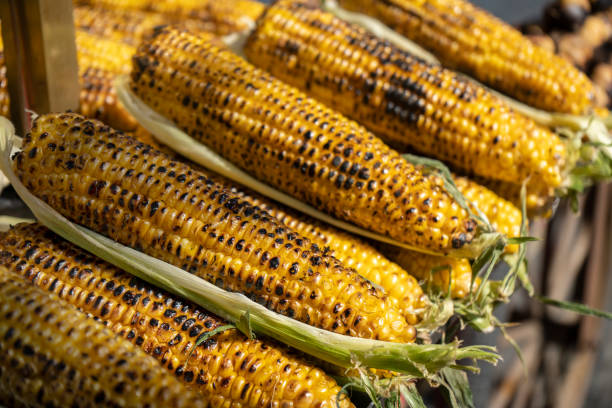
(575, 307)
(342, 394)
(435, 315)
(411, 396)
(497, 252)
(518, 263)
(515, 346)
(524, 277)
(520, 240)
(457, 385)
(370, 389)
(479, 263)
(244, 325)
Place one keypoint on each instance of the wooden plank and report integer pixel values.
(597, 270)
(13, 58)
(575, 384)
(42, 69)
(515, 386)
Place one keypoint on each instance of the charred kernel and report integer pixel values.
(364, 174)
(96, 187)
(274, 262)
(459, 241)
(339, 180)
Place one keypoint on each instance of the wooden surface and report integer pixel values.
(40, 51)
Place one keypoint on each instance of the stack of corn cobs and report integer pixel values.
(308, 200)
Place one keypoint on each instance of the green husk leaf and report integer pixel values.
(411, 396)
(515, 346)
(457, 385)
(575, 307)
(520, 240)
(169, 134)
(244, 325)
(477, 308)
(435, 315)
(497, 252)
(343, 393)
(369, 388)
(418, 361)
(384, 392)
(521, 271)
(518, 262)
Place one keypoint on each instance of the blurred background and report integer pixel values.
(514, 11)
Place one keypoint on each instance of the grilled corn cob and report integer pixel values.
(119, 25)
(437, 271)
(131, 26)
(409, 103)
(294, 143)
(98, 99)
(101, 53)
(403, 290)
(228, 369)
(53, 355)
(225, 16)
(126, 190)
(100, 60)
(468, 39)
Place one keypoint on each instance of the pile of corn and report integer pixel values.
(316, 108)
